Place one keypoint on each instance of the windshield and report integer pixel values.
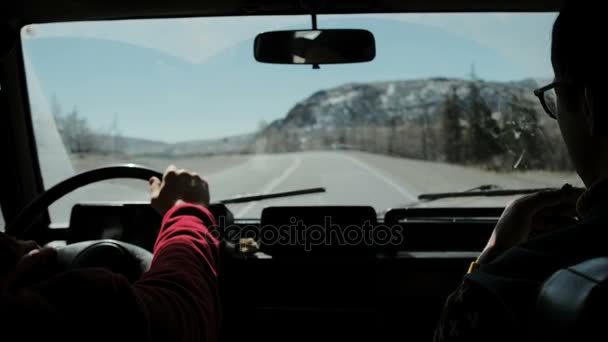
(447, 105)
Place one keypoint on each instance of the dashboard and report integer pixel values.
(325, 291)
(304, 231)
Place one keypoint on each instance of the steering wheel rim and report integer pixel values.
(24, 220)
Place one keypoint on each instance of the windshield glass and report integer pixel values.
(447, 105)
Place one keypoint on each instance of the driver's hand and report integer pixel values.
(33, 264)
(178, 186)
(529, 216)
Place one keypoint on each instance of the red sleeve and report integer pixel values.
(180, 294)
(176, 300)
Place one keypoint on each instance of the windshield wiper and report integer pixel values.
(487, 190)
(253, 198)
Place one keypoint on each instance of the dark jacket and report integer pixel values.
(496, 302)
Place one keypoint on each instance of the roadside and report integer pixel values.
(442, 177)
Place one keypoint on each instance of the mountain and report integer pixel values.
(472, 122)
(380, 103)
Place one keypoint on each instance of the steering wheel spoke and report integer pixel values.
(117, 256)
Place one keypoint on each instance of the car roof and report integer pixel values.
(37, 11)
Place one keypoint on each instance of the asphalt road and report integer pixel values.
(348, 181)
(355, 178)
(350, 178)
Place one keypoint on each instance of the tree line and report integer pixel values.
(80, 138)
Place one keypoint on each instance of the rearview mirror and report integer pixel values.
(315, 47)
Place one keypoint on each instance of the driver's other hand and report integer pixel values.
(177, 187)
(36, 265)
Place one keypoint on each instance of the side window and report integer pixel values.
(1, 221)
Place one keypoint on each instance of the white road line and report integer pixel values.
(406, 194)
(270, 186)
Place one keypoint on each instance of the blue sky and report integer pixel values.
(187, 79)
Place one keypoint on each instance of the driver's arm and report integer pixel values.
(179, 294)
(176, 300)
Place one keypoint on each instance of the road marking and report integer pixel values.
(272, 185)
(408, 195)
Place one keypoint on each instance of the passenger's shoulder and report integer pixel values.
(523, 268)
(571, 244)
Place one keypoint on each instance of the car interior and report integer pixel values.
(360, 291)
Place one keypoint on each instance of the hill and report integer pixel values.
(441, 119)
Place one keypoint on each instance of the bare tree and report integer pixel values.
(451, 129)
(56, 109)
(76, 133)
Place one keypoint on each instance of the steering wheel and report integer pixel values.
(125, 258)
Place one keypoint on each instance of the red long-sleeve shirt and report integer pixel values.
(176, 300)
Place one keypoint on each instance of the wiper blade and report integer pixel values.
(253, 198)
(489, 190)
(485, 187)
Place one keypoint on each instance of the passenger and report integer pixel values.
(176, 300)
(497, 297)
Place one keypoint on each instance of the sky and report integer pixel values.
(195, 78)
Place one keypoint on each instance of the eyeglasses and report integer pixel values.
(548, 97)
